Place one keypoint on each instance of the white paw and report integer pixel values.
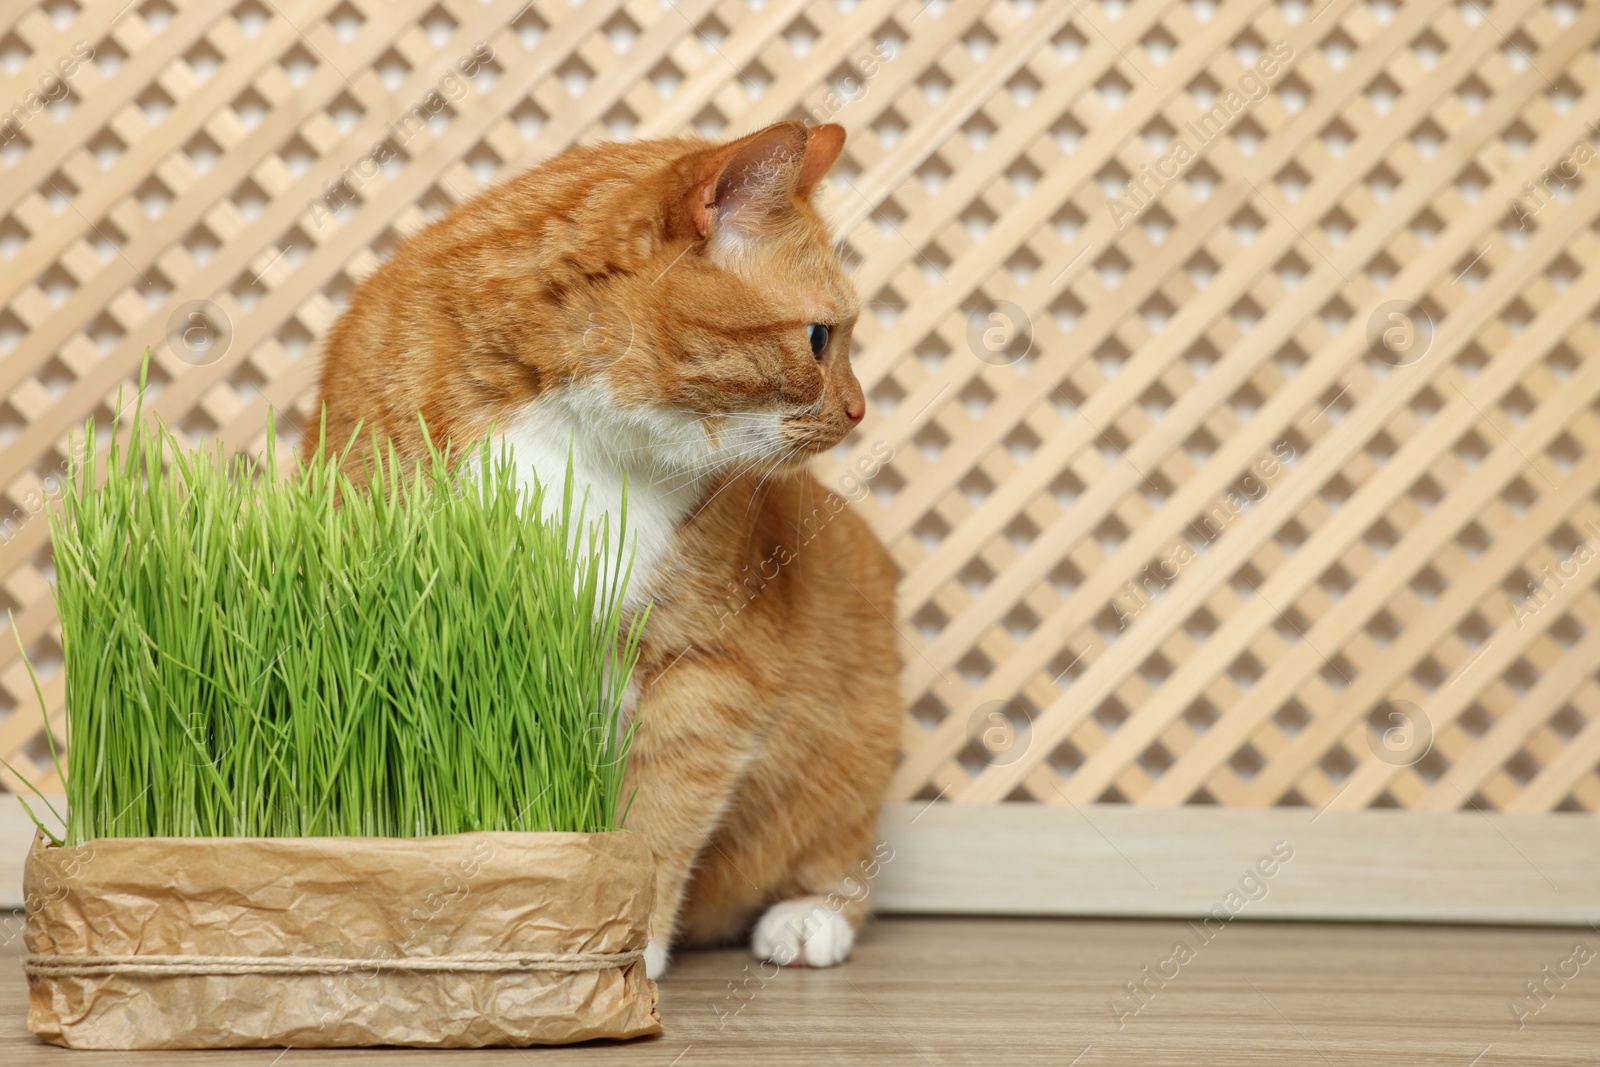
(655, 960)
(802, 932)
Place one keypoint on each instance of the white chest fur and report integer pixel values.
(660, 457)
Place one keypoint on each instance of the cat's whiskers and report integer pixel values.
(815, 409)
(764, 427)
(695, 448)
(687, 476)
(734, 477)
(758, 426)
(741, 460)
(777, 463)
(743, 450)
(752, 415)
(767, 428)
(654, 448)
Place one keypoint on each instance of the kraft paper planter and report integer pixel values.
(457, 941)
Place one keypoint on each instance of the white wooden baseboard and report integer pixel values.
(16, 837)
(1039, 859)
(1036, 859)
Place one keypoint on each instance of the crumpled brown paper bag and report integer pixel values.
(362, 899)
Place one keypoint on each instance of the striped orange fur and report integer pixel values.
(654, 307)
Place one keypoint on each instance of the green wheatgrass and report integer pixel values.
(250, 655)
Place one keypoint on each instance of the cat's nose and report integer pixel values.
(856, 411)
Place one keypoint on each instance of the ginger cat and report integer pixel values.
(676, 312)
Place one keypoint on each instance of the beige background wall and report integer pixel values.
(1244, 420)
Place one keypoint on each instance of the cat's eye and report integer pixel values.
(819, 338)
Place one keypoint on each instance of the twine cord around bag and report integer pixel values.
(59, 966)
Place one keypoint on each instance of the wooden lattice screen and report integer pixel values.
(1238, 360)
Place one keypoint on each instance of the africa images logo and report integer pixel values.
(1143, 188)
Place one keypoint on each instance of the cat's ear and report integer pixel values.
(823, 145)
(751, 181)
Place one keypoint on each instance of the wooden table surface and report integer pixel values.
(1039, 991)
